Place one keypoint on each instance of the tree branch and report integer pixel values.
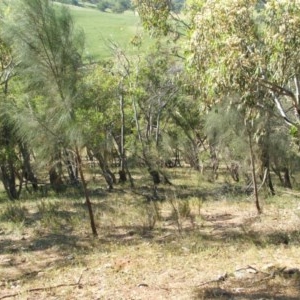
(275, 88)
(281, 110)
(297, 85)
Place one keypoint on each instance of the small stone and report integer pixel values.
(40, 274)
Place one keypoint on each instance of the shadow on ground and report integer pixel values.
(227, 294)
(281, 285)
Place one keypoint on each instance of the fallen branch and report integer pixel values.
(46, 288)
(219, 279)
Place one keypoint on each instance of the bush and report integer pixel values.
(103, 5)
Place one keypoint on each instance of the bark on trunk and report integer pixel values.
(56, 180)
(286, 178)
(27, 169)
(109, 176)
(86, 193)
(257, 204)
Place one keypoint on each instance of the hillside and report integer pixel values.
(102, 28)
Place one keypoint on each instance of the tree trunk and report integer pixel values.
(265, 165)
(193, 157)
(157, 129)
(276, 170)
(286, 178)
(234, 171)
(72, 168)
(9, 181)
(118, 148)
(177, 158)
(109, 177)
(122, 171)
(56, 180)
(27, 169)
(8, 165)
(214, 161)
(86, 193)
(254, 175)
(270, 183)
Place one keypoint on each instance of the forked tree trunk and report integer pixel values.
(9, 181)
(72, 167)
(108, 175)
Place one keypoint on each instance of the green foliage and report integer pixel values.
(225, 127)
(155, 15)
(116, 6)
(294, 131)
(103, 5)
(44, 39)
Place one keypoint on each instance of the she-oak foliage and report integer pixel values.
(49, 50)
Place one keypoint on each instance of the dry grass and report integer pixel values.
(201, 241)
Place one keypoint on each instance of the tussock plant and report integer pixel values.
(14, 212)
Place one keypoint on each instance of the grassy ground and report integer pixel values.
(103, 28)
(201, 241)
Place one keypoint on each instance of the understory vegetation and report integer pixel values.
(152, 155)
(198, 241)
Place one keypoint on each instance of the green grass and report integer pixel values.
(103, 28)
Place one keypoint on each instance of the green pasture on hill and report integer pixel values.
(103, 28)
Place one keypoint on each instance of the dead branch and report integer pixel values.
(218, 279)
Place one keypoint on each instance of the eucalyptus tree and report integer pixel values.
(244, 48)
(49, 48)
(160, 17)
(100, 116)
(250, 49)
(154, 93)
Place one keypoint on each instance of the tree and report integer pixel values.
(44, 39)
(103, 5)
(246, 49)
(120, 6)
(99, 116)
(251, 51)
(12, 169)
(158, 17)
